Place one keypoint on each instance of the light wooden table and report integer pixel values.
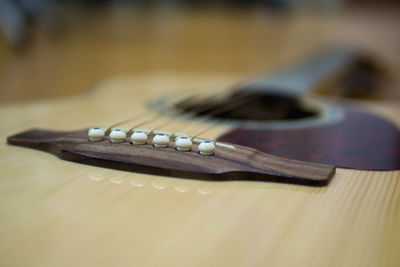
(101, 44)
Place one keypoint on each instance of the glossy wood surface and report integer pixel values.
(239, 163)
(59, 213)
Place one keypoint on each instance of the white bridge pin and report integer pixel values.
(138, 138)
(96, 134)
(160, 140)
(183, 143)
(117, 136)
(206, 148)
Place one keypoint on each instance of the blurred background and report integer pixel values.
(51, 48)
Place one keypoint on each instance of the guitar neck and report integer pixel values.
(329, 69)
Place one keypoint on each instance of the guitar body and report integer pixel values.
(60, 213)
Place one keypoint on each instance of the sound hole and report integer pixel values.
(249, 106)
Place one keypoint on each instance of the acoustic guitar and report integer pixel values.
(155, 172)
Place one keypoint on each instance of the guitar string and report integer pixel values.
(195, 109)
(205, 98)
(187, 115)
(238, 101)
(108, 130)
(189, 97)
(167, 122)
(212, 124)
(231, 106)
(141, 114)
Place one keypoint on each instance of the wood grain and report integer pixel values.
(59, 213)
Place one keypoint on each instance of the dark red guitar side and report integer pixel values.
(362, 140)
